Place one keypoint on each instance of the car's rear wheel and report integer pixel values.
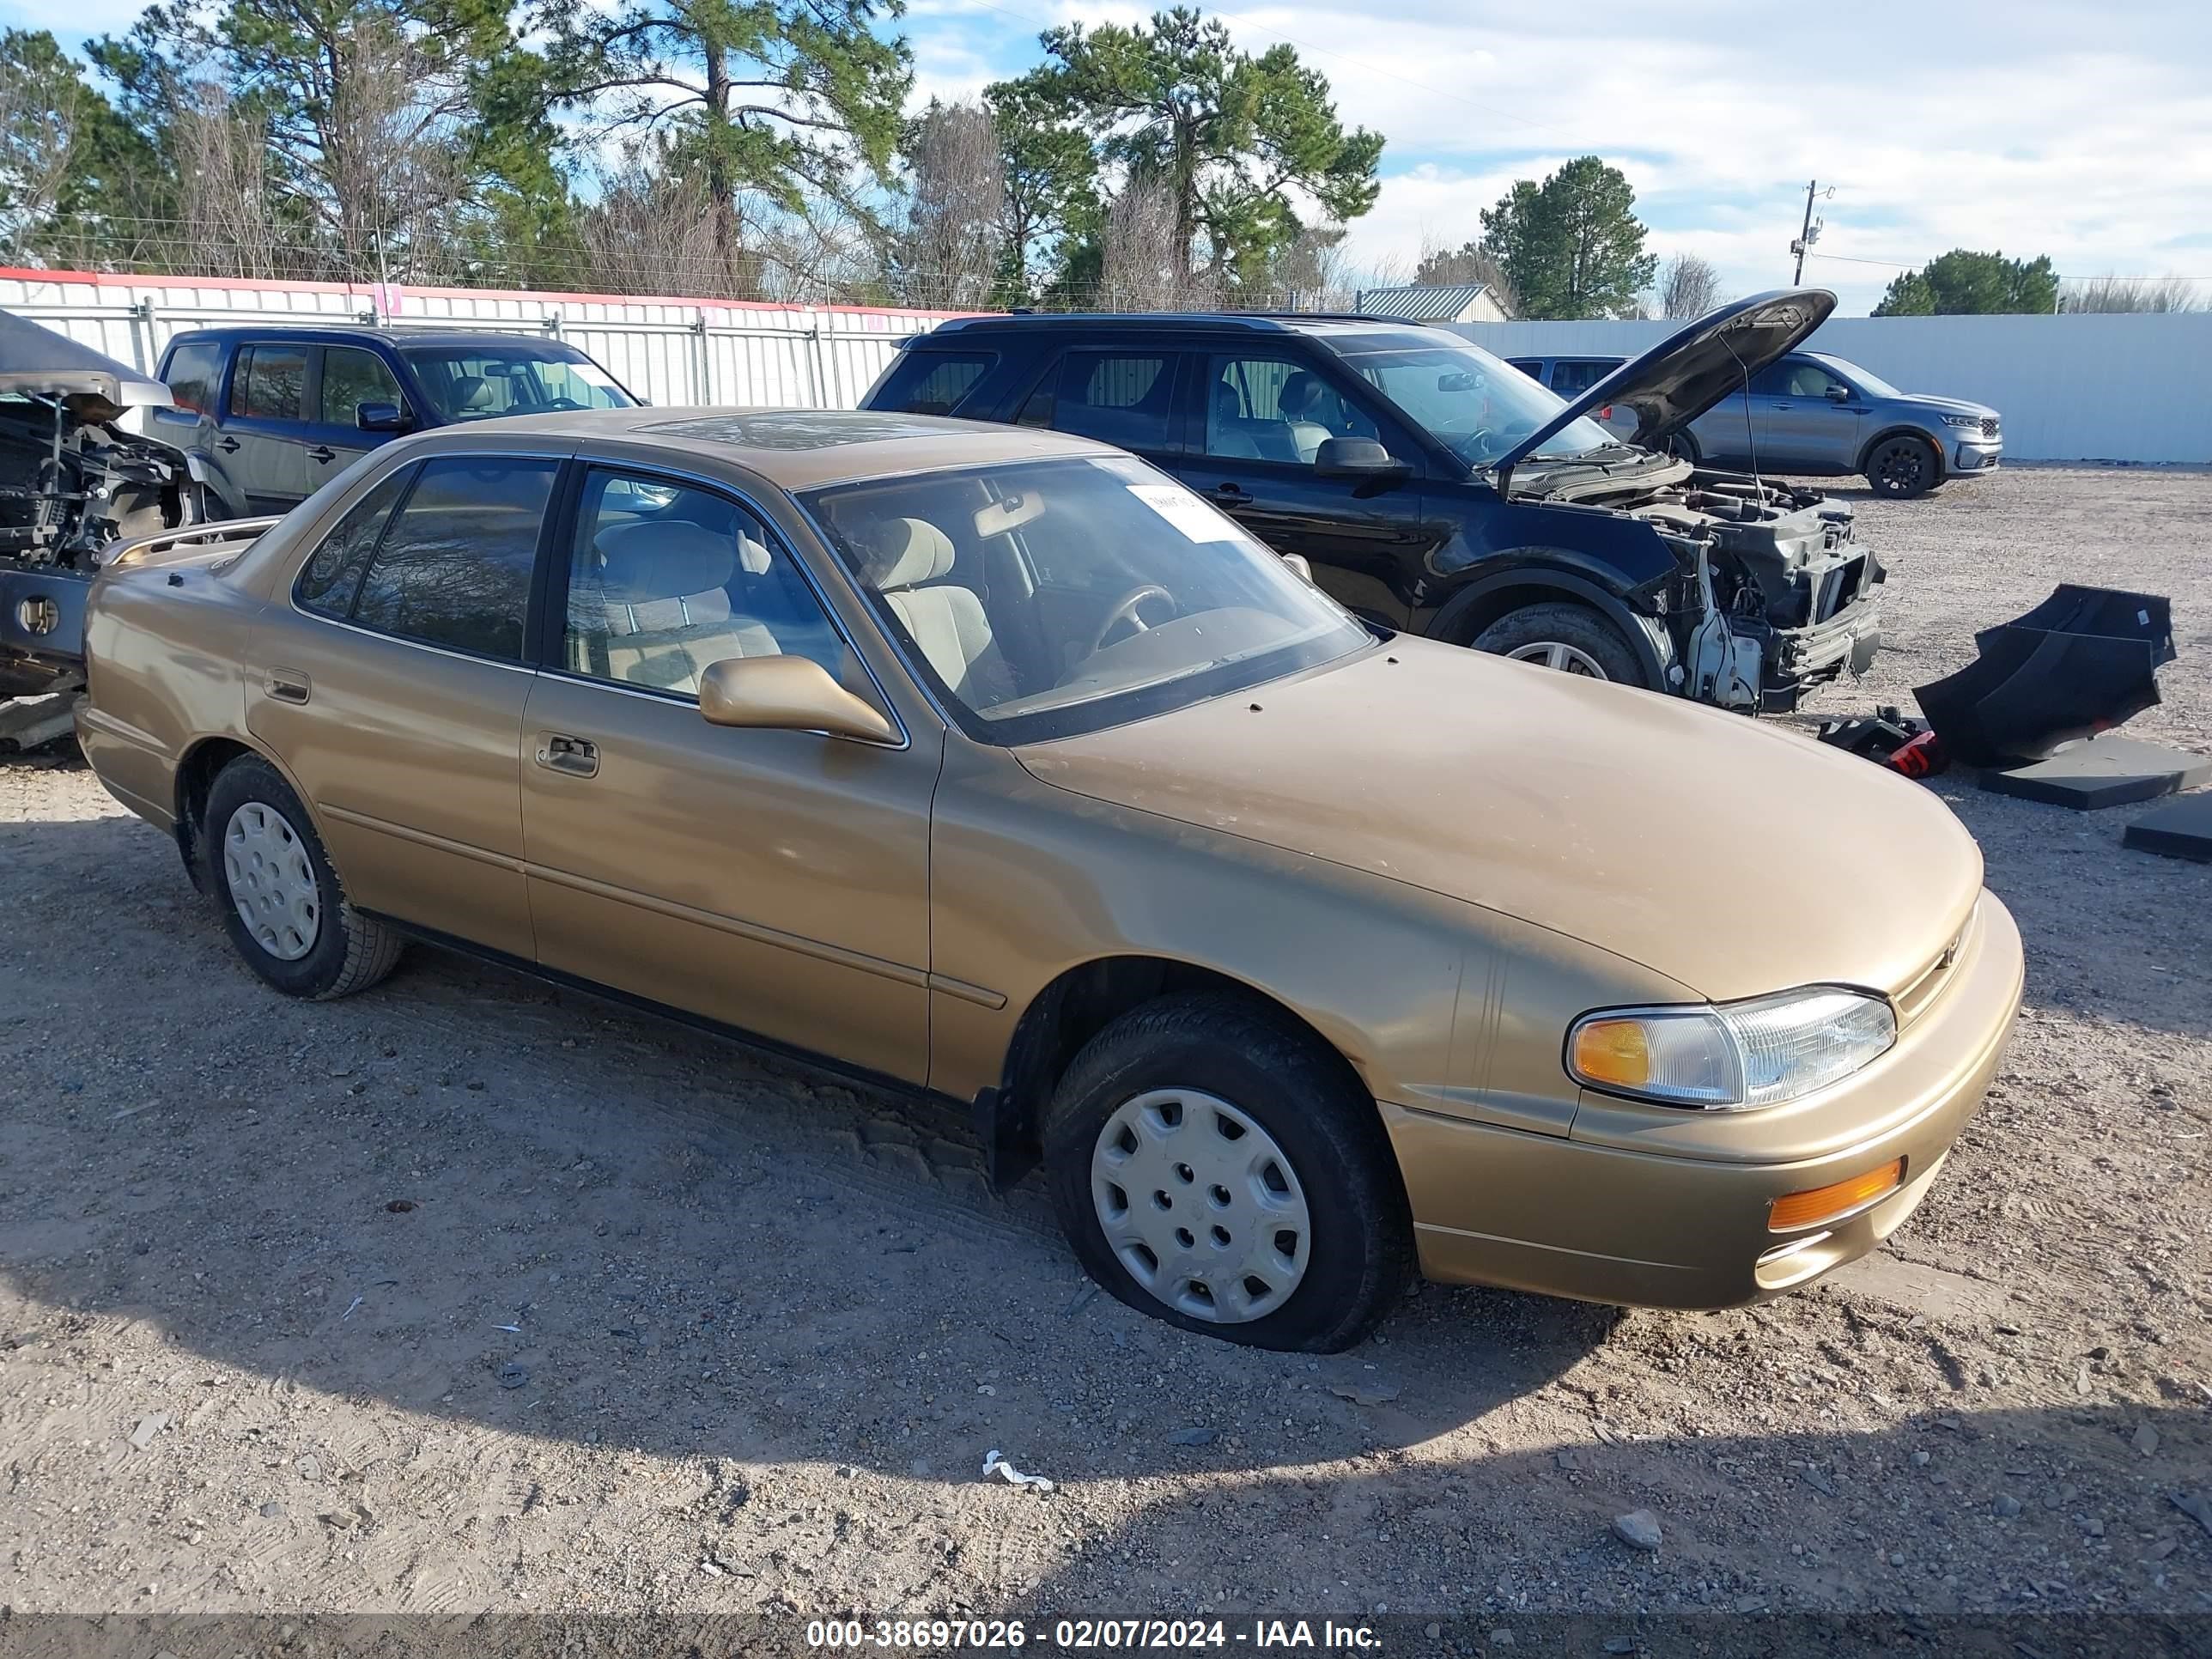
(1903, 467)
(1571, 638)
(278, 895)
(1216, 1166)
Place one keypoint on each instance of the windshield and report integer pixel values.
(1476, 406)
(1869, 382)
(479, 383)
(1048, 598)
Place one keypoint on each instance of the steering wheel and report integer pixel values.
(1125, 611)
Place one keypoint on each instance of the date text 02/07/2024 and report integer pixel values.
(1086, 1635)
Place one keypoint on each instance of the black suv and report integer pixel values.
(1430, 487)
(273, 413)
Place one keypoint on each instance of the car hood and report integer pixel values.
(38, 362)
(1686, 374)
(1735, 857)
(1943, 405)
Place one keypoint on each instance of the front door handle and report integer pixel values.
(229, 446)
(1229, 494)
(286, 685)
(324, 454)
(558, 752)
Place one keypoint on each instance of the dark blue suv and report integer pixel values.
(275, 413)
(1430, 487)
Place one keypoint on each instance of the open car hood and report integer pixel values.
(1682, 377)
(36, 361)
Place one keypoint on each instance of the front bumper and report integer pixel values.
(1975, 455)
(1565, 1216)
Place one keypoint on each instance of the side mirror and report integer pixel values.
(1838, 394)
(380, 417)
(786, 694)
(1300, 568)
(1355, 458)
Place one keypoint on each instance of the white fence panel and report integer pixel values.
(669, 351)
(2070, 388)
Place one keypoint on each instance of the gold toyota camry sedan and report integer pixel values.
(990, 763)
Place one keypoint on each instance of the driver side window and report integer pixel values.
(665, 580)
(1275, 409)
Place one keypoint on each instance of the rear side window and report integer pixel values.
(455, 564)
(331, 576)
(352, 377)
(270, 383)
(1532, 367)
(195, 374)
(1571, 380)
(1118, 397)
(932, 382)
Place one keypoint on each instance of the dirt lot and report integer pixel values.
(471, 1294)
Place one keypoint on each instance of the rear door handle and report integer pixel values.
(1229, 494)
(287, 685)
(322, 453)
(229, 446)
(558, 752)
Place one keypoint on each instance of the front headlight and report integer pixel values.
(1734, 1056)
(1974, 421)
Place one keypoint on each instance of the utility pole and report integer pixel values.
(1810, 233)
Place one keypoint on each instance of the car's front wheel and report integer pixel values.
(1903, 467)
(1216, 1165)
(279, 897)
(1571, 638)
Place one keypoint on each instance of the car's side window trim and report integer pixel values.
(527, 664)
(549, 658)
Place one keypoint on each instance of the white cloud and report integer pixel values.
(2045, 129)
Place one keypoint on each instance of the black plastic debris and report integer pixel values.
(2080, 663)
(1891, 738)
(2106, 771)
(2179, 829)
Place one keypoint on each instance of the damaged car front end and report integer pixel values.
(75, 484)
(1766, 591)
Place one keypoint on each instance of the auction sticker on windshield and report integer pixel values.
(1197, 521)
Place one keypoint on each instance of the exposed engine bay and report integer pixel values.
(1773, 594)
(71, 481)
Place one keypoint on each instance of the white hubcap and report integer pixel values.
(1557, 654)
(264, 863)
(1200, 1206)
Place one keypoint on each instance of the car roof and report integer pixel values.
(1324, 324)
(363, 334)
(793, 448)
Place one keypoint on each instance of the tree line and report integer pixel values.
(766, 149)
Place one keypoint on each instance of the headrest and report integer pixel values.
(672, 560)
(910, 551)
(473, 392)
(1227, 400)
(1298, 389)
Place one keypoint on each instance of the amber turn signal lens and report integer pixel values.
(1795, 1210)
(1612, 1051)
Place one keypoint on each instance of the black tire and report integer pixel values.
(1575, 626)
(1360, 1251)
(349, 951)
(1903, 467)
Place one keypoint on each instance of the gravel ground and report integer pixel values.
(471, 1294)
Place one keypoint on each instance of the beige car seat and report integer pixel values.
(653, 607)
(947, 623)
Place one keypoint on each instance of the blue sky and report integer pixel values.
(2082, 132)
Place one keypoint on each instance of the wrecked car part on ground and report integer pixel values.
(74, 483)
(2082, 662)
